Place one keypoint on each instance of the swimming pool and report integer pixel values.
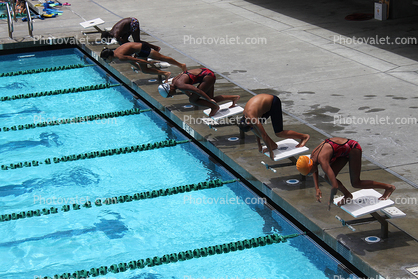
(57, 157)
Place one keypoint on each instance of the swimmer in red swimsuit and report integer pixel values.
(333, 154)
(200, 95)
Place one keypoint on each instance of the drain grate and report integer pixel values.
(413, 270)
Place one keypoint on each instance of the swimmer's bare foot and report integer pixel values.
(183, 67)
(167, 76)
(214, 111)
(304, 140)
(345, 200)
(235, 100)
(387, 193)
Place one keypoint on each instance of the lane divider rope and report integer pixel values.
(121, 199)
(94, 154)
(178, 257)
(73, 120)
(41, 70)
(58, 92)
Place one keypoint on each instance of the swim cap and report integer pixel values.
(243, 125)
(304, 165)
(106, 53)
(164, 90)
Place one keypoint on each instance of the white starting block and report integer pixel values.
(92, 23)
(366, 201)
(393, 212)
(286, 149)
(224, 111)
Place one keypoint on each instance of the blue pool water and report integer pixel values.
(112, 234)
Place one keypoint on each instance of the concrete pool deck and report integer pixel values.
(317, 81)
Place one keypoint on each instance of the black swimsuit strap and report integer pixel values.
(322, 146)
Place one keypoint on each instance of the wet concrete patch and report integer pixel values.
(238, 71)
(319, 115)
(233, 72)
(270, 91)
(288, 102)
(375, 110)
(317, 110)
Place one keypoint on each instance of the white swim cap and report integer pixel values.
(164, 90)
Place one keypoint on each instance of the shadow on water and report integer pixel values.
(113, 229)
(45, 139)
(15, 85)
(33, 110)
(78, 176)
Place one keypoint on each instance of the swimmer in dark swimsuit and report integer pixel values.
(202, 94)
(137, 54)
(333, 154)
(122, 30)
(257, 110)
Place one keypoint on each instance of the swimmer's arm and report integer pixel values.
(316, 182)
(119, 38)
(260, 147)
(331, 176)
(259, 137)
(116, 30)
(261, 133)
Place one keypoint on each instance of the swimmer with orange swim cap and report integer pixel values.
(304, 165)
(333, 154)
